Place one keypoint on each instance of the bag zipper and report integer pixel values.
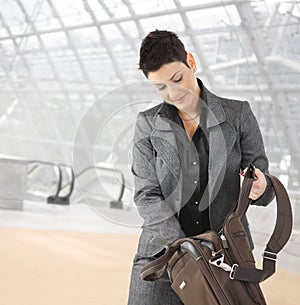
(241, 233)
(207, 267)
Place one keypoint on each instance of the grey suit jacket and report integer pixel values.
(234, 141)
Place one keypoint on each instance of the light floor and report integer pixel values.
(72, 256)
(42, 267)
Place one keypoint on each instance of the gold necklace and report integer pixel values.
(191, 118)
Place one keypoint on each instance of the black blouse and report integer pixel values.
(194, 156)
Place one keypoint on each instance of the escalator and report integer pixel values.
(54, 183)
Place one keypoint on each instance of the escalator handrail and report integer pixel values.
(108, 169)
(71, 181)
(32, 169)
(57, 170)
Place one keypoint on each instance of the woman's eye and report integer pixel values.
(161, 88)
(178, 79)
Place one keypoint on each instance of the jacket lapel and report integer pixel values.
(221, 140)
(164, 140)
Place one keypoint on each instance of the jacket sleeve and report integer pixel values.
(158, 216)
(253, 150)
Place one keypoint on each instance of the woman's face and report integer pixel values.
(177, 84)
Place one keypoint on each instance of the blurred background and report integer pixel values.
(70, 93)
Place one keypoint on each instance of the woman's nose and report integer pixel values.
(174, 94)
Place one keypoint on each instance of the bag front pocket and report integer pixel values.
(192, 287)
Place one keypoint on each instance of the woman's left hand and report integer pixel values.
(259, 185)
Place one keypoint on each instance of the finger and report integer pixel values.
(242, 172)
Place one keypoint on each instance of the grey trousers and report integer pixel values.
(150, 293)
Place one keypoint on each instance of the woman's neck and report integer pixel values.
(193, 110)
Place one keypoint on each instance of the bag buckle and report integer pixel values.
(233, 268)
(218, 260)
(269, 255)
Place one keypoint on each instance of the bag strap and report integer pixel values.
(279, 237)
(244, 200)
(155, 269)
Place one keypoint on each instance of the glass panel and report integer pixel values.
(142, 7)
(72, 12)
(169, 22)
(117, 8)
(3, 31)
(55, 40)
(111, 32)
(187, 3)
(14, 18)
(98, 10)
(85, 37)
(44, 19)
(214, 17)
(130, 28)
(39, 66)
(30, 43)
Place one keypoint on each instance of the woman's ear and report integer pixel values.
(191, 61)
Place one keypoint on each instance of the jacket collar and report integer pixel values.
(216, 114)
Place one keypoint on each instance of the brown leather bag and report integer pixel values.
(219, 268)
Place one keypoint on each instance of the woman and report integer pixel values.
(187, 157)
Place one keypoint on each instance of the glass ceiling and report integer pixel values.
(58, 59)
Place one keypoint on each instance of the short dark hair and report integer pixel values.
(159, 48)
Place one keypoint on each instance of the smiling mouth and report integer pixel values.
(181, 99)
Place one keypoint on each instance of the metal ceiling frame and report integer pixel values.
(280, 113)
(135, 17)
(263, 55)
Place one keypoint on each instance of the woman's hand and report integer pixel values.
(259, 185)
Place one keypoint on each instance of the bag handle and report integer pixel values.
(244, 200)
(280, 235)
(155, 269)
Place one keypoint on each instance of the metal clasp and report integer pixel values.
(218, 260)
(231, 274)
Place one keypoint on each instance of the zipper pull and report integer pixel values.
(224, 241)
